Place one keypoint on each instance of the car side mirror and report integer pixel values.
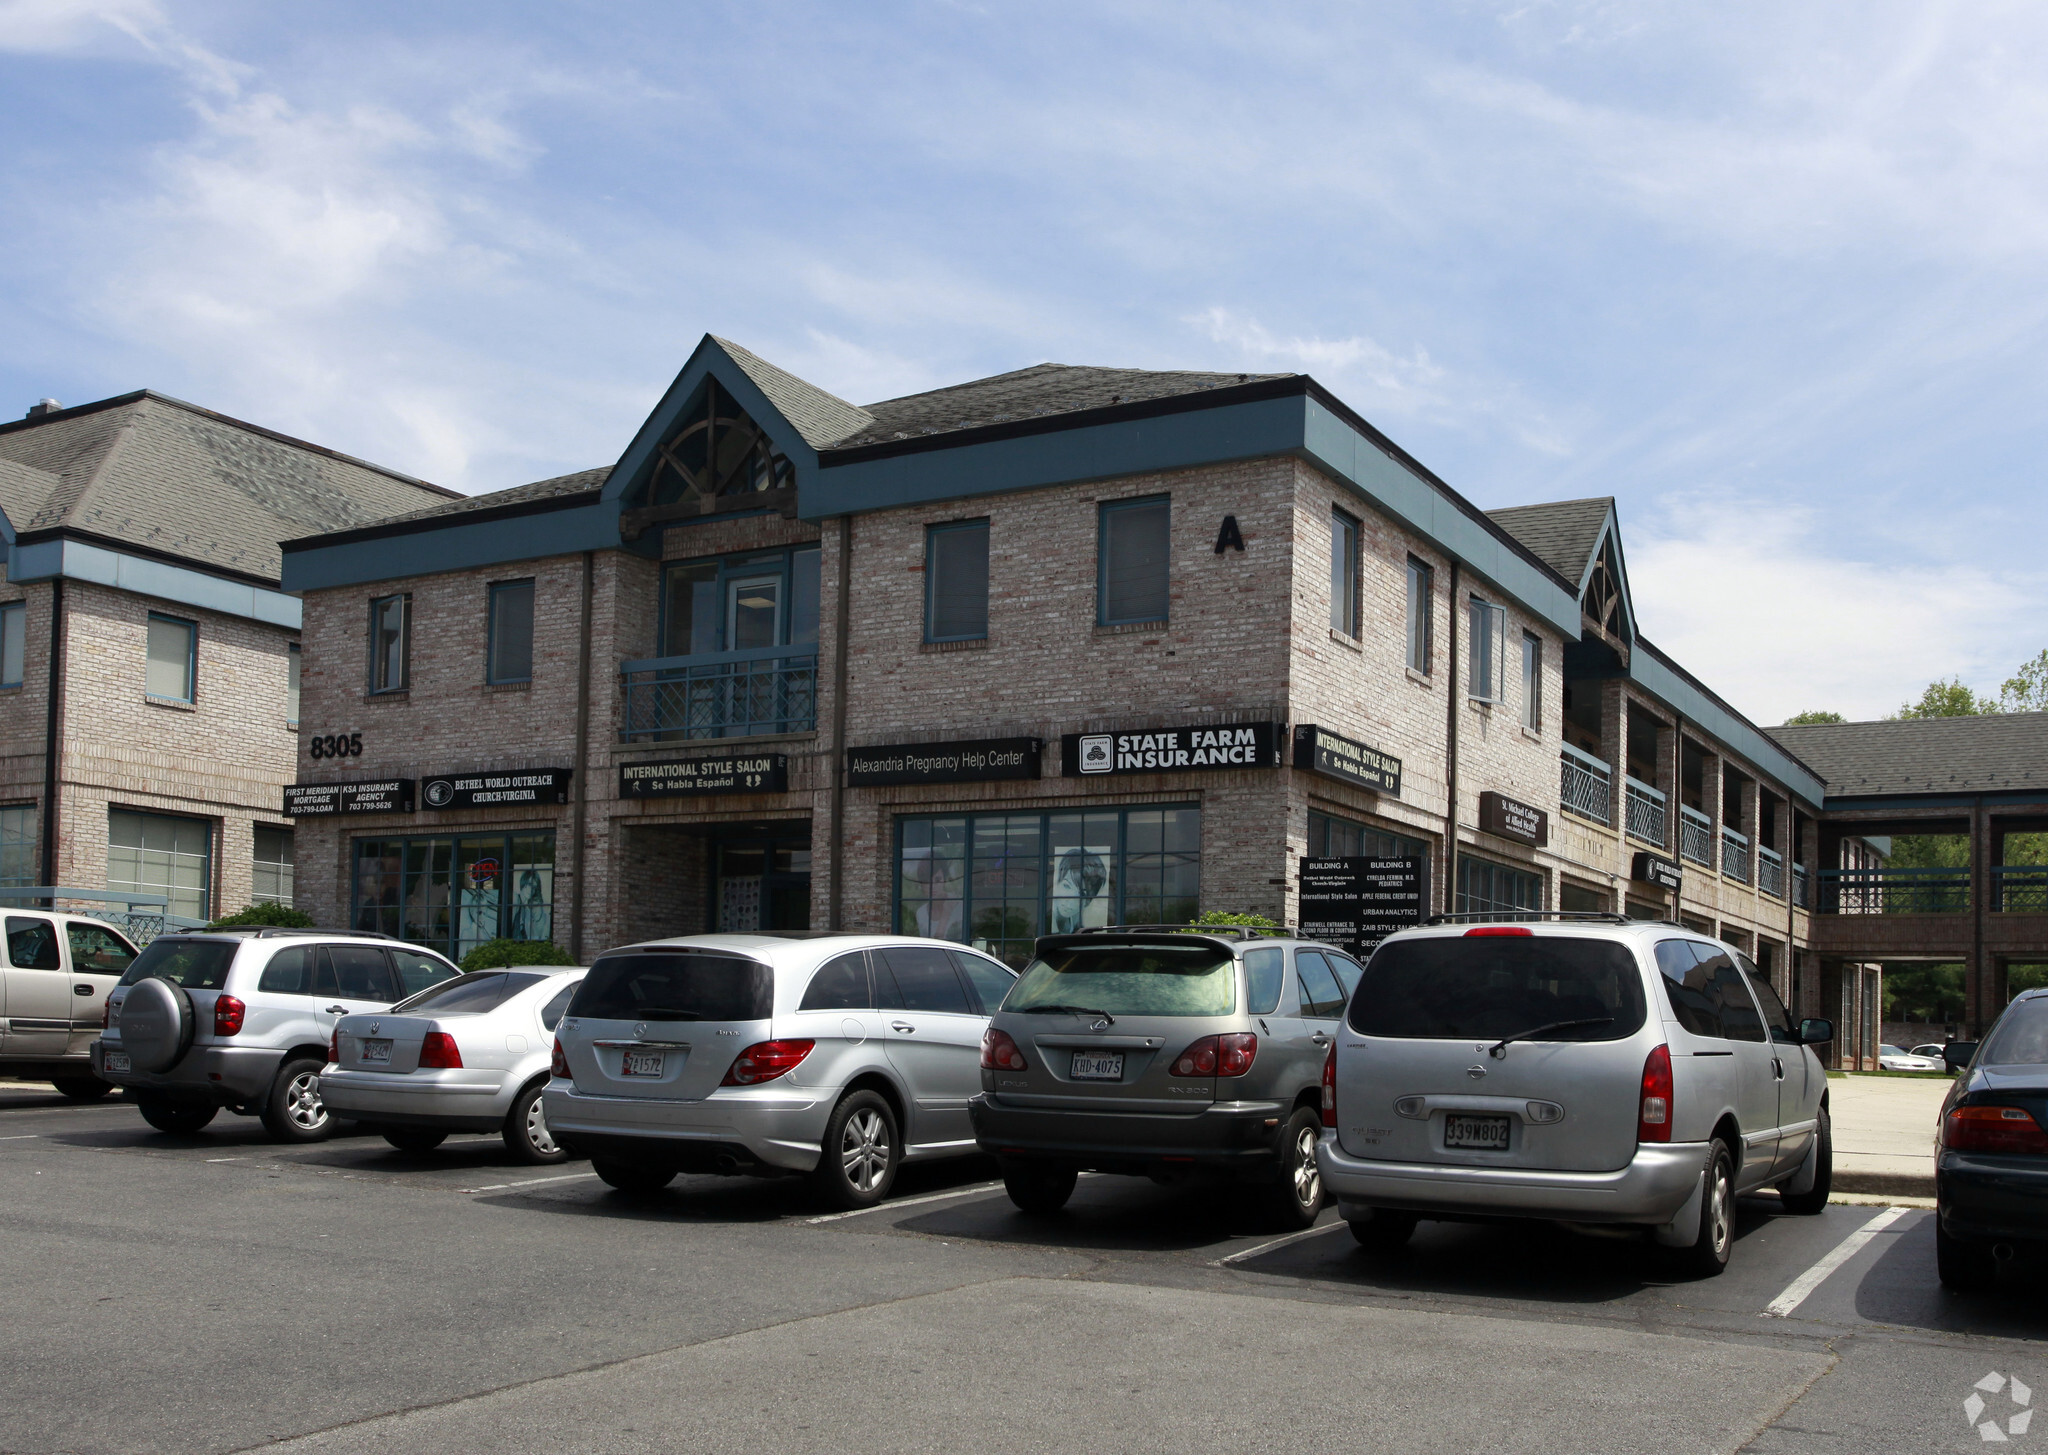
(1815, 1031)
(1956, 1055)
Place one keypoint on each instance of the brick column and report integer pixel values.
(1670, 765)
(1751, 806)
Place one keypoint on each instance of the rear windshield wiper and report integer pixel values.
(1499, 1049)
(665, 1013)
(1067, 1010)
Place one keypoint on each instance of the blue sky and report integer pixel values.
(1770, 275)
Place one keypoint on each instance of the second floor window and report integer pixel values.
(1343, 573)
(391, 644)
(755, 602)
(509, 656)
(1131, 561)
(13, 642)
(956, 582)
(1532, 681)
(1421, 608)
(172, 646)
(1488, 651)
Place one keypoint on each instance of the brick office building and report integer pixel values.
(148, 658)
(919, 664)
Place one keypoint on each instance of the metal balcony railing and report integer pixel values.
(1770, 871)
(1735, 854)
(1587, 787)
(2020, 888)
(142, 917)
(1894, 891)
(1644, 807)
(1802, 887)
(720, 694)
(1695, 835)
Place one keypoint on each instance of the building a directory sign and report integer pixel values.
(686, 777)
(958, 760)
(1357, 902)
(1171, 750)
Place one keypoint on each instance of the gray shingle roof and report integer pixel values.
(1031, 393)
(818, 416)
(573, 484)
(1996, 753)
(1563, 532)
(169, 477)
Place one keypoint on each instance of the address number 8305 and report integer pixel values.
(337, 745)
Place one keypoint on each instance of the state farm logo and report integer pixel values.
(2018, 1402)
(1097, 752)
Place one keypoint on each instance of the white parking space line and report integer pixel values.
(1802, 1287)
(530, 1182)
(861, 1212)
(21, 1137)
(227, 1159)
(1268, 1246)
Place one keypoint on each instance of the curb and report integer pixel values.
(1894, 1184)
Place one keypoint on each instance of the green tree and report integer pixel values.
(270, 912)
(1948, 698)
(497, 954)
(2027, 689)
(1813, 715)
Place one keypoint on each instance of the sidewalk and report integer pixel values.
(1884, 1132)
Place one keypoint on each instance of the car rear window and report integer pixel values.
(1194, 979)
(485, 990)
(676, 987)
(2019, 1039)
(1487, 987)
(194, 964)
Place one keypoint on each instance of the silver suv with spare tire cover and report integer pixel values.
(1163, 1052)
(242, 1019)
(1581, 1069)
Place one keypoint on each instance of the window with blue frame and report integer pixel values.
(739, 650)
(956, 582)
(13, 642)
(755, 602)
(1131, 560)
(1485, 887)
(999, 880)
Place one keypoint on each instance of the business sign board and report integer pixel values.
(957, 760)
(1334, 756)
(496, 790)
(312, 800)
(1658, 870)
(687, 777)
(1510, 818)
(1357, 902)
(1171, 750)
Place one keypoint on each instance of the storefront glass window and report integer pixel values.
(1338, 838)
(152, 853)
(1485, 887)
(453, 894)
(996, 881)
(18, 845)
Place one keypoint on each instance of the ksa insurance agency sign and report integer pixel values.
(1171, 750)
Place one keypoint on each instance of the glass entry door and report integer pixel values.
(761, 884)
(753, 604)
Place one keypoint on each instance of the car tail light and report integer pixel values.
(1229, 1055)
(1330, 1088)
(228, 1013)
(1653, 1122)
(1993, 1129)
(438, 1052)
(558, 1064)
(1000, 1052)
(1482, 931)
(334, 1049)
(107, 1016)
(765, 1061)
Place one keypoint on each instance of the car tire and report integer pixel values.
(1039, 1188)
(1385, 1231)
(293, 1111)
(414, 1139)
(1815, 1199)
(80, 1088)
(178, 1118)
(860, 1152)
(635, 1177)
(1963, 1266)
(526, 1130)
(1707, 1255)
(1295, 1197)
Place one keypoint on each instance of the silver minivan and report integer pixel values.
(838, 1056)
(1594, 1070)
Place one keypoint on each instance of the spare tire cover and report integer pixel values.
(156, 1024)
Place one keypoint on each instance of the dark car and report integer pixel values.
(1991, 1170)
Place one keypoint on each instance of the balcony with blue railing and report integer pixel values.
(1587, 786)
(749, 693)
(1894, 891)
(1734, 854)
(1770, 871)
(2020, 888)
(1695, 836)
(1644, 806)
(1802, 886)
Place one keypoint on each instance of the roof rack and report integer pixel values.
(1228, 932)
(274, 932)
(1475, 917)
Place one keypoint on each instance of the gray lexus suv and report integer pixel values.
(1158, 1052)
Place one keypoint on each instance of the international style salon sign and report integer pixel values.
(960, 760)
(1171, 750)
(687, 777)
(1334, 756)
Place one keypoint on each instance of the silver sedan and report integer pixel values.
(467, 1055)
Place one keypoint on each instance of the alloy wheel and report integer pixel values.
(1721, 1215)
(302, 1103)
(537, 1129)
(864, 1149)
(1308, 1178)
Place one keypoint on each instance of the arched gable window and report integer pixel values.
(1602, 601)
(717, 454)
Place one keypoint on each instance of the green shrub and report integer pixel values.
(1247, 919)
(496, 954)
(268, 913)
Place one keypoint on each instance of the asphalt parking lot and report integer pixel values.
(218, 1293)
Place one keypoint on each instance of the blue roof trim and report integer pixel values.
(1710, 715)
(461, 545)
(1893, 802)
(1611, 531)
(708, 360)
(80, 561)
